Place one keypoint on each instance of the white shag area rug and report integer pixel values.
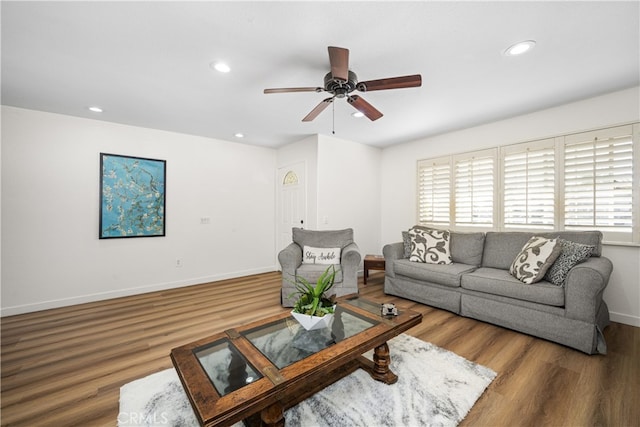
(435, 388)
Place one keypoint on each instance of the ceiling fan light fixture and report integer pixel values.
(341, 81)
(239, 135)
(358, 114)
(220, 67)
(520, 48)
(95, 109)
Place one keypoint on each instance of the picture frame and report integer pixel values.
(132, 197)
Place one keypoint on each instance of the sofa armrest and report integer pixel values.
(584, 286)
(290, 259)
(350, 264)
(392, 252)
(351, 256)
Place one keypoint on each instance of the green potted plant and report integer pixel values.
(313, 308)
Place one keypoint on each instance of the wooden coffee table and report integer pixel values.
(255, 372)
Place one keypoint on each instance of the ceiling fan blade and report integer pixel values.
(318, 109)
(294, 89)
(339, 59)
(364, 107)
(414, 80)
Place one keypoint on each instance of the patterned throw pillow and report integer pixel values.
(406, 243)
(572, 254)
(534, 259)
(430, 245)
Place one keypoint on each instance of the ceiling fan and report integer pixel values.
(341, 81)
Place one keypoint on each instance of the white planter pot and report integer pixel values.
(311, 323)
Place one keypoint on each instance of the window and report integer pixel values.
(473, 188)
(434, 178)
(457, 190)
(529, 185)
(598, 177)
(290, 178)
(571, 182)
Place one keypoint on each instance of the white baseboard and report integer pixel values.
(65, 302)
(625, 318)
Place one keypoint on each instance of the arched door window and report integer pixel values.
(290, 178)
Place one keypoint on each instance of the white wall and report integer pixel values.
(51, 254)
(398, 176)
(343, 186)
(349, 190)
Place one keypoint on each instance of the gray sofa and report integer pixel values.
(478, 285)
(346, 280)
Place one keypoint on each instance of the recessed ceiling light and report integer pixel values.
(95, 109)
(357, 114)
(239, 135)
(220, 66)
(520, 48)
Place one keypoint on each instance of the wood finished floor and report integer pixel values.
(64, 367)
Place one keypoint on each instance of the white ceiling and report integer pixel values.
(147, 63)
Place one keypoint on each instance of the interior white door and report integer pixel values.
(292, 203)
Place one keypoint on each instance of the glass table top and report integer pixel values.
(370, 306)
(286, 341)
(283, 342)
(227, 369)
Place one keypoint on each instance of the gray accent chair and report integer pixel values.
(346, 281)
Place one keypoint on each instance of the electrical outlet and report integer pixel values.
(178, 262)
(205, 220)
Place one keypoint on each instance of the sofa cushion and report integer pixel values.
(464, 247)
(430, 245)
(467, 247)
(535, 258)
(441, 274)
(323, 238)
(501, 248)
(500, 282)
(590, 237)
(572, 253)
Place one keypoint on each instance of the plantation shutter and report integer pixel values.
(598, 170)
(434, 179)
(474, 183)
(529, 185)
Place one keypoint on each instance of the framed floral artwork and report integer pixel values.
(132, 196)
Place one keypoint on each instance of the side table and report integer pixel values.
(372, 262)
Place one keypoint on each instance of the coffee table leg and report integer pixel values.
(381, 362)
(273, 416)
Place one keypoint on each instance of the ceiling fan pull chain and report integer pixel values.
(333, 126)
